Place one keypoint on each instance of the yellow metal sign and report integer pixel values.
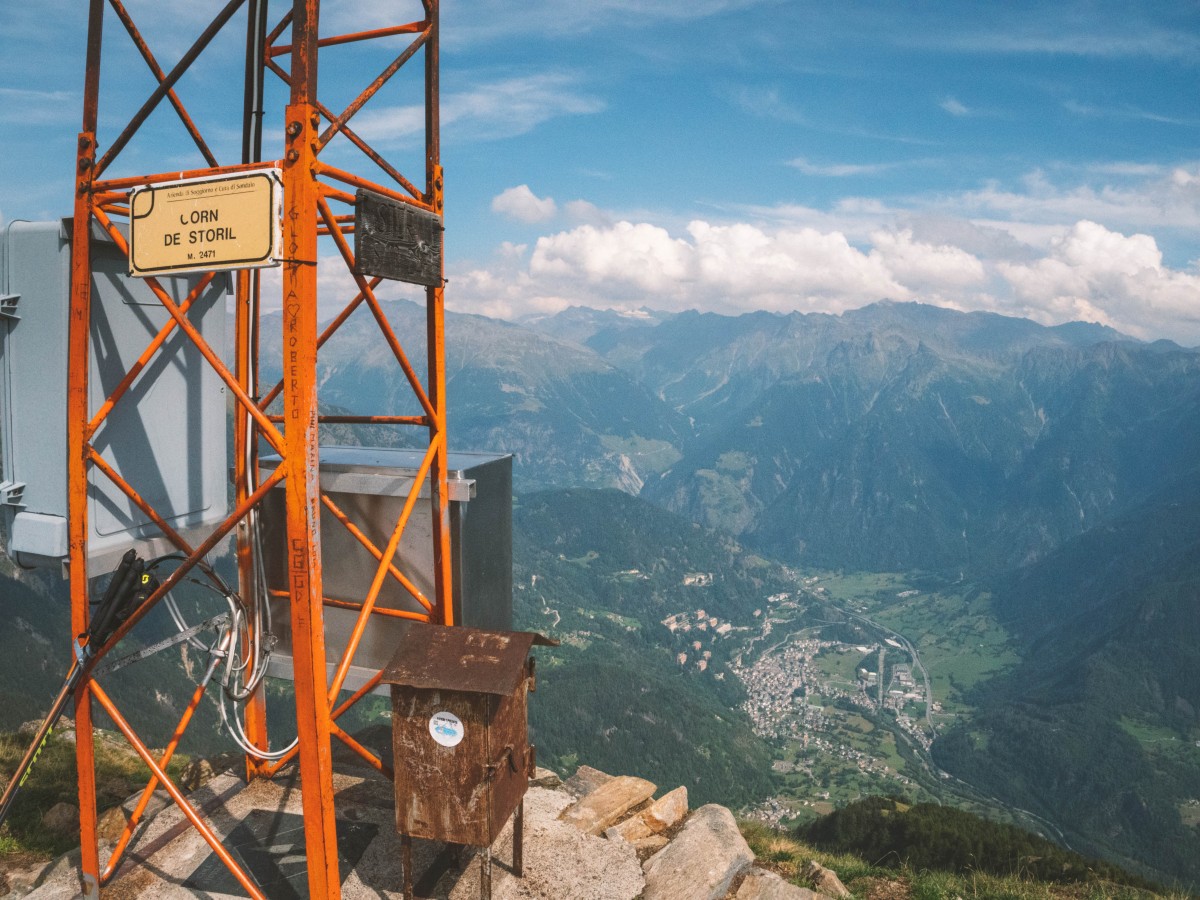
(203, 224)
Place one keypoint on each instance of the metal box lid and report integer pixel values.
(457, 658)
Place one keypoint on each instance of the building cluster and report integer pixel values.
(777, 684)
(697, 621)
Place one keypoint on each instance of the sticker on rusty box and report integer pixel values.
(446, 728)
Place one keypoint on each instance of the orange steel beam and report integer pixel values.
(157, 772)
(307, 217)
(358, 181)
(380, 610)
(195, 559)
(367, 756)
(161, 76)
(135, 817)
(116, 188)
(358, 102)
(167, 84)
(436, 325)
(381, 570)
(78, 342)
(373, 304)
(410, 28)
(144, 360)
(268, 430)
(303, 512)
(354, 605)
(325, 336)
(370, 685)
(367, 543)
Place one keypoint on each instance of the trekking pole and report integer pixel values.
(130, 585)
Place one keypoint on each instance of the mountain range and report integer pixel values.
(1054, 467)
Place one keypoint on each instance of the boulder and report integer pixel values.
(608, 804)
(650, 844)
(111, 823)
(544, 778)
(585, 780)
(702, 861)
(667, 811)
(824, 881)
(760, 884)
(62, 817)
(632, 829)
(196, 774)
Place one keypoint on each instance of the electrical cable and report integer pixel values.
(240, 648)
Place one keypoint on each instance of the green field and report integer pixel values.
(960, 642)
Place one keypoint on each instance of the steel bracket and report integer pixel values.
(8, 305)
(12, 493)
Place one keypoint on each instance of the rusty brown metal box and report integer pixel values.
(459, 730)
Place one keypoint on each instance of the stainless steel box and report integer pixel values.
(370, 485)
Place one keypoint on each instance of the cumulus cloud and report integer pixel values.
(732, 268)
(523, 205)
(1118, 249)
(1102, 275)
(925, 267)
(1083, 272)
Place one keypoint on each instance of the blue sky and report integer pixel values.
(1037, 159)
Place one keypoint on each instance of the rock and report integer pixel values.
(561, 862)
(762, 885)
(111, 823)
(702, 861)
(608, 803)
(632, 829)
(650, 844)
(196, 774)
(20, 880)
(62, 817)
(544, 778)
(824, 881)
(667, 811)
(585, 780)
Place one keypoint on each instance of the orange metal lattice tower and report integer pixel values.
(312, 189)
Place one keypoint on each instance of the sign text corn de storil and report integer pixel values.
(202, 224)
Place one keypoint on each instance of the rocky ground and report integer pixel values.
(594, 837)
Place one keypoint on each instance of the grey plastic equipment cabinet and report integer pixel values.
(167, 436)
(370, 485)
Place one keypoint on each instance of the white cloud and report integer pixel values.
(1142, 42)
(1113, 278)
(25, 108)
(925, 267)
(766, 103)
(1161, 201)
(523, 205)
(1050, 273)
(487, 111)
(584, 212)
(954, 107)
(473, 21)
(732, 268)
(840, 170)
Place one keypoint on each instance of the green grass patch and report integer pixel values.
(53, 779)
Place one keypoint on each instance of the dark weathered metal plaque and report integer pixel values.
(395, 240)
